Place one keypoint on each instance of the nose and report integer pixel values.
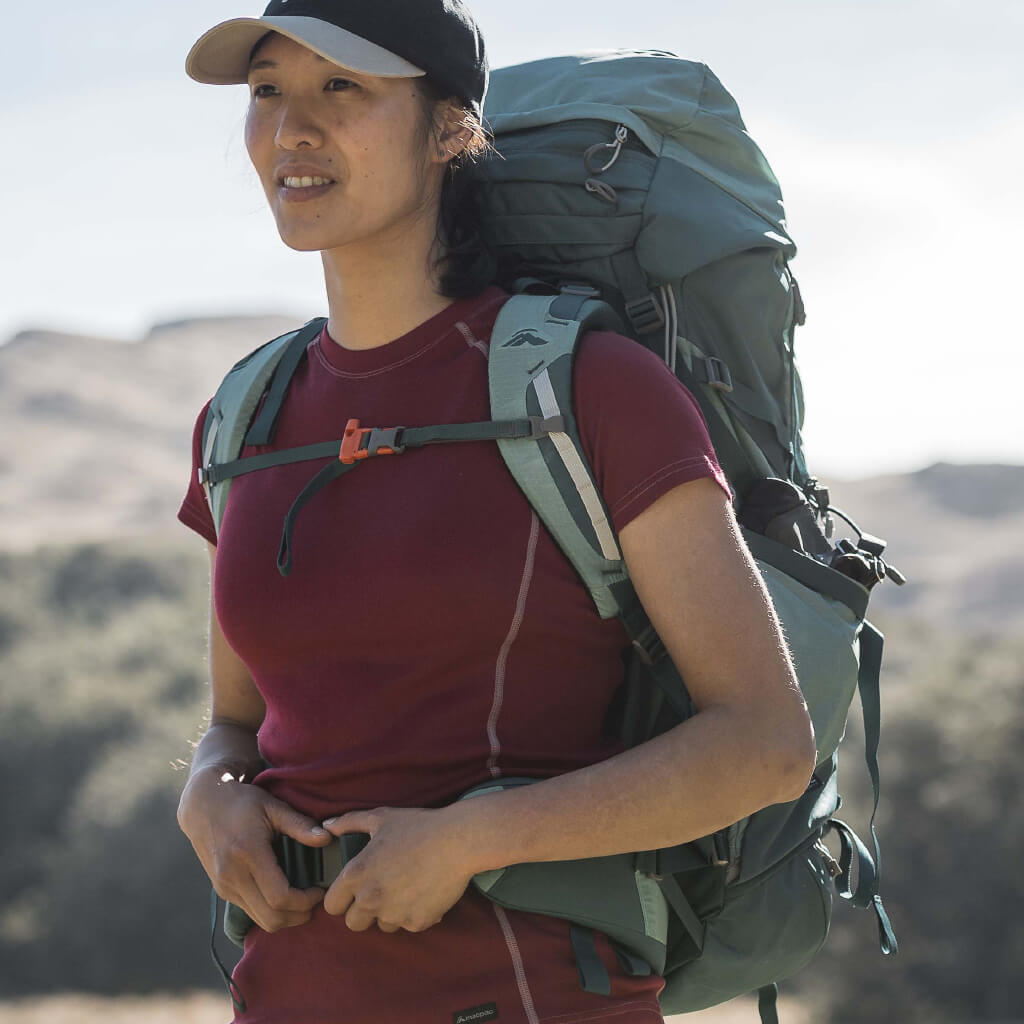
(297, 127)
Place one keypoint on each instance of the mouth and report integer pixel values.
(301, 190)
(306, 182)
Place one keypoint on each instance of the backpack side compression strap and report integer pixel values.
(530, 370)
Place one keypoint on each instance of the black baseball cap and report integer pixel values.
(388, 38)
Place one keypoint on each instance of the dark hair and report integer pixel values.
(466, 263)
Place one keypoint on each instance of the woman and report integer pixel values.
(431, 636)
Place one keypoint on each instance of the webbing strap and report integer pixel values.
(645, 315)
(321, 480)
(850, 844)
(413, 437)
(592, 972)
(648, 644)
(866, 894)
(681, 905)
(262, 430)
(872, 642)
(398, 439)
(418, 437)
(635, 966)
(254, 463)
(741, 468)
(745, 398)
(768, 1003)
(233, 990)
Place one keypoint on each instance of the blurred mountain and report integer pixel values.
(956, 533)
(95, 436)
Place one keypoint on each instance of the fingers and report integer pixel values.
(274, 888)
(267, 913)
(290, 822)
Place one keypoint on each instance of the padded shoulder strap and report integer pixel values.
(531, 359)
(235, 403)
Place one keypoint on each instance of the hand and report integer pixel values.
(231, 826)
(414, 869)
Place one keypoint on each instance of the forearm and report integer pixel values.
(689, 782)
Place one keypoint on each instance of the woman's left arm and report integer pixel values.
(751, 742)
(749, 745)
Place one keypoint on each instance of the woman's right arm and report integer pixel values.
(231, 824)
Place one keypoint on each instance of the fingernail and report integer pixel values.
(318, 831)
(329, 822)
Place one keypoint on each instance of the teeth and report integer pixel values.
(306, 182)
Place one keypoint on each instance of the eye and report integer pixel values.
(258, 95)
(343, 84)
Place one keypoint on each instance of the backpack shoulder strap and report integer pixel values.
(533, 345)
(227, 428)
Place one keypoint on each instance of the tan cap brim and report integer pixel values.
(221, 56)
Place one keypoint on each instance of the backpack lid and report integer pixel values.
(676, 108)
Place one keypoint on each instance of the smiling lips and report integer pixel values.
(297, 182)
(294, 189)
(306, 182)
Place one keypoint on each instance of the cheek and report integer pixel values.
(257, 138)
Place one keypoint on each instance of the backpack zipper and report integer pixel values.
(812, 842)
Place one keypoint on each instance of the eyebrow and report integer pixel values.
(259, 65)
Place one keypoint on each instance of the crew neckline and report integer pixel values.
(410, 345)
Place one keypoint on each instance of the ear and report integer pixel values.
(453, 136)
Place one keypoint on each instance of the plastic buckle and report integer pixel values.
(645, 314)
(649, 647)
(719, 376)
(831, 864)
(580, 288)
(381, 442)
(302, 865)
(543, 428)
(204, 475)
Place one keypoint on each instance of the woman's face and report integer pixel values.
(310, 118)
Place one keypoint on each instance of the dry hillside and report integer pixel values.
(94, 443)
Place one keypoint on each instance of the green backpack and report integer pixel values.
(628, 196)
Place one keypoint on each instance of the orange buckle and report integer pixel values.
(353, 449)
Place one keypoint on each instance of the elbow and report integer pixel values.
(794, 757)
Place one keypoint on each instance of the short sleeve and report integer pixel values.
(642, 430)
(194, 511)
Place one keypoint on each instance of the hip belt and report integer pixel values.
(308, 867)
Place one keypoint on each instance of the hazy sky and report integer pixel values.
(896, 128)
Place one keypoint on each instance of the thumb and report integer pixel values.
(355, 821)
(300, 827)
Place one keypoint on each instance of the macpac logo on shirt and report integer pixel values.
(475, 1014)
(524, 337)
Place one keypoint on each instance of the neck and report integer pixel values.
(377, 293)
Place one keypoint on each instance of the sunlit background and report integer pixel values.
(896, 128)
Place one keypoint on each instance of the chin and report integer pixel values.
(304, 240)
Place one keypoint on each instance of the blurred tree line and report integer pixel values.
(102, 656)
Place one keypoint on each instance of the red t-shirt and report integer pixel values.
(431, 636)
